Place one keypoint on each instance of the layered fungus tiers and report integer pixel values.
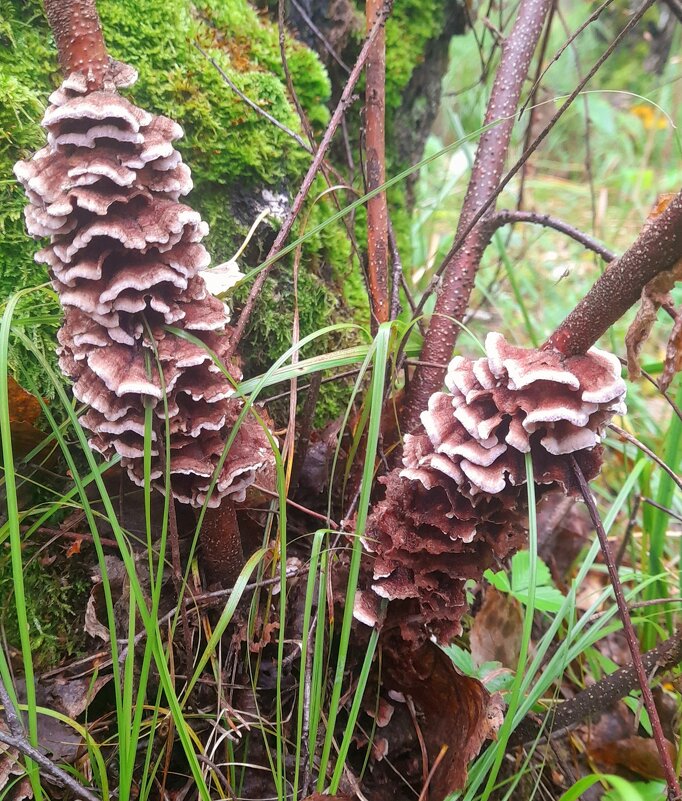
(460, 502)
(125, 258)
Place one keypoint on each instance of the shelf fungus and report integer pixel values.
(125, 258)
(459, 502)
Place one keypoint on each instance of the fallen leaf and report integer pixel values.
(74, 548)
(23, 407)
(673, 355)
(92, 625)
(24, 410)
(73, 696)
(496, 630)
(455, 710)
(636, 754)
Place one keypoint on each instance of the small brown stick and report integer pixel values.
(79, 39)
(530, 101)
(656, 249)
(506, 217)
(595, 700)
(375, 146)
(461, 263)
(674, 791)
(17, 739)
(297, 205)
(397, 275)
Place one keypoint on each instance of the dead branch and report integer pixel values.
(461, 265)
(593, 701)
(375, 145)
(17, 739)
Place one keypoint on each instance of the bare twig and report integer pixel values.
(674, 791)
(460, 265)
(506, 217)
(78, 36)
(318, 33)
(642, 447)
(250, 103)
(375, 143)
(657, 248)
(17, 739)
(285, 230)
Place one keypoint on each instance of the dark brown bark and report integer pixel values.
(593, 701)
(656, 249)
(375, 141)
(459, 274)
(222, 556)
(78, 36)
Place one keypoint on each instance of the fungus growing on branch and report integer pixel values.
(459, 502)
(125, 257)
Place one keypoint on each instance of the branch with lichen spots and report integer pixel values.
(79, 39)
(491, 154)
(657, 249)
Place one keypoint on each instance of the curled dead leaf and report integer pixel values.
(455, 710)
(496, 631)
(636, 754)
(654, 295)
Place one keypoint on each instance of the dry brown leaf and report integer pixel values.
(636, 754)
(23, 407)
(73, 696)
(455, 710)
(496, 631)
(654, 295)
(24, 410)
(673, 355)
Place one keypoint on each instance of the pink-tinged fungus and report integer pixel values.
(459, 502)
(126, 259)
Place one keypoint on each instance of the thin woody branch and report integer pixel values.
(377, 210)
(674, 791)
(78, 36)
(344, 101)
(656, 249)
(508, 217)
(460, 271)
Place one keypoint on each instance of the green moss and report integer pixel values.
(412, 24)
(233, 151)
(56, 593)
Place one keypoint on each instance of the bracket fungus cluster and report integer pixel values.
(125, 257)
(459, 502)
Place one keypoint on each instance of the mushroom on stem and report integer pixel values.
(142, 340)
